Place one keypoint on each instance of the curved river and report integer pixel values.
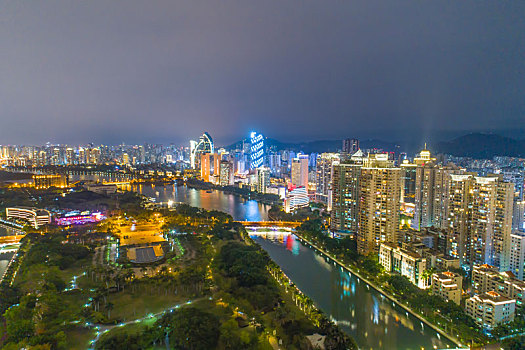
(362, 312)
(371, 319)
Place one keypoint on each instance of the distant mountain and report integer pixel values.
(321, 146)
(475, 145)
(478, 145)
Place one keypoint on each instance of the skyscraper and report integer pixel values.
(300, 171)
(379, 194)
(323, 175)
(491, 221)
(345, 197)
(350, 146)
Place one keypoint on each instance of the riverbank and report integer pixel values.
(264, 198)
(380, 290)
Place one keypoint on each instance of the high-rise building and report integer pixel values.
(256, 150)
(263, 179)
(203, 146)
(323, 175)
(350, 146)
(518, 216)
(379, 195)
(491, 221)
(210, 166)
(517, 254)
(345, 197)
(300, 171)
(408, 179)
(458, 215)
(226, 173)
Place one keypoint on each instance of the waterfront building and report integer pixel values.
(295, 199)
(46, 181)
(379, 197)
(300, 171)
(404, 262)
(517, 254)
(345, 197)
(35, 217)
(487, 278)
(490, 309)
(447, 285)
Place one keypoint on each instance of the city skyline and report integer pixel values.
(109, 73)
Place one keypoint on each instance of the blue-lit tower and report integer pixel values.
(256, 150)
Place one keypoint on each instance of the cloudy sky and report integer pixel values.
(165, 71)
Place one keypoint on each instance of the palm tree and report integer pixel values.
(109, 307)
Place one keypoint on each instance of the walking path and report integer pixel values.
(380, 290)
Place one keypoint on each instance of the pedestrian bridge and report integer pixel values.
(290, 224)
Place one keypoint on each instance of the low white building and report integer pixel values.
(35, 217)
(490, 309)
(404, 262)
(447, 285)
(487, 278)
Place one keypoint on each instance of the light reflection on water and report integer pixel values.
(373, 320)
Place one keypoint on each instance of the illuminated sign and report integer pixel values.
(257, 150)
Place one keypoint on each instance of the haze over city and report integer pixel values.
(262, 175)
(134, 71)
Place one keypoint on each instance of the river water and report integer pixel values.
(239, 208)
(371, 319)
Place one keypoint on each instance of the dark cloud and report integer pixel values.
(134, 71)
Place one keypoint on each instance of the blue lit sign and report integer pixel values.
(257, 150)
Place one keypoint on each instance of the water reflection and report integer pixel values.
(373, 320)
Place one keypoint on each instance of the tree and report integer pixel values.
(191, 328)
(109, 307)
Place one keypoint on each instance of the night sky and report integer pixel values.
(165, 71)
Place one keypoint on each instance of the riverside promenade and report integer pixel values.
(383, 292)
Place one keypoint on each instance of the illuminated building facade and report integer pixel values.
(46, 181)
(404, 262)
(379, 197)
(203, 146)
(300, 171)
(256, 150)
(517, 254)
(448, 286)
(490, 309)
(323, 176)
(35, 217)
(210, 166)
(345, 197)
(226, 173)
(295, 199)
(263, 179)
